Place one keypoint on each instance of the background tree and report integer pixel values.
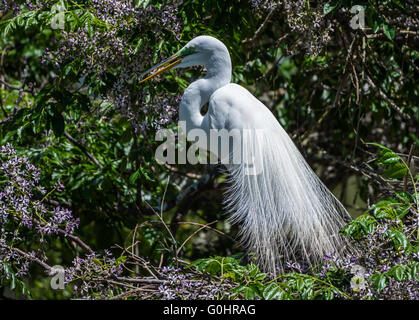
(71, 104)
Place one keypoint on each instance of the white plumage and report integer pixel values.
(284, 211)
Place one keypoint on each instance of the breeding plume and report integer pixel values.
(283, 209)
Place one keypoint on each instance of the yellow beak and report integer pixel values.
(163, 66)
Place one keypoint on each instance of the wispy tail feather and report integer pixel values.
(284, 209)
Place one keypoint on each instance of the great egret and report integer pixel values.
(285, 211)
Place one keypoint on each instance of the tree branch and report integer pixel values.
(386, 99)
(32, 258)
(83, 148)
(261, 27)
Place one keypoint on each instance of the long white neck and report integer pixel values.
(199, 92)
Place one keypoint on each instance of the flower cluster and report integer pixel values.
(183, 285)
(305, 20)
(111, 49)
(313, 28)
(16, 6)
(90, 276)
(22, 213)
(18, 202)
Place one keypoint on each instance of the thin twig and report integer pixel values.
(131, 293)
(144, 263)
(193, 234)
(328, 109)
(70, 236)
(161, 215)
(8, 85)
(261, 27)
(209, 228)
(83, 149)
(32, 258)
(385, 98)
(76, 240)
(186, 174)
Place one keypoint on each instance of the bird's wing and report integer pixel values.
(233, 107)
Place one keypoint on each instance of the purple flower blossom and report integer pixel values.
(21, 211)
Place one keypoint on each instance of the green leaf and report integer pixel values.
(377, 26)
(133, 178)
(378, 145)
(330, 6)
(300, 284)
(238, 290)
(145, 174)
(405, 196)
(396, 171)
(253, 269)
(398, 272)
(360, 226)
(250, 292)
(398, 237)
(385, 208)
(272, 291)
(9, 26)
(382, 213)
(402, 211)
(379, 281)
(389, 31)
(414, 271)
(389, 157)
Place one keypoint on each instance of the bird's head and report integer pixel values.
(199, 51)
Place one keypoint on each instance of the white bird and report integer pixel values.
(284, 211)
